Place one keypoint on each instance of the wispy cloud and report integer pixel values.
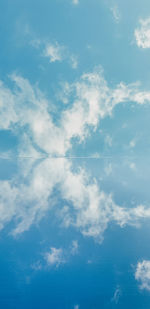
(116, 13)
(74, 247)
(117, 295)
(142, 33)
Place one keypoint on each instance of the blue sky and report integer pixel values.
(74, 154)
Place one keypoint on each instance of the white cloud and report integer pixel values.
(142, 34)
(58, 256)
(55, 257)
(142, 274)
(54, 52)
(76, 307)
(57, 52)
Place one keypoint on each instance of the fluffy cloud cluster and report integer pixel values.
(25, 111)
(142, 274)
(142, 34)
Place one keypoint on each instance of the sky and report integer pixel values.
(74, 154)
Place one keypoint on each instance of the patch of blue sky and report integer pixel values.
(73, 229)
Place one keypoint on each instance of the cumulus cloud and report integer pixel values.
(142, 274)
(142, 33)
